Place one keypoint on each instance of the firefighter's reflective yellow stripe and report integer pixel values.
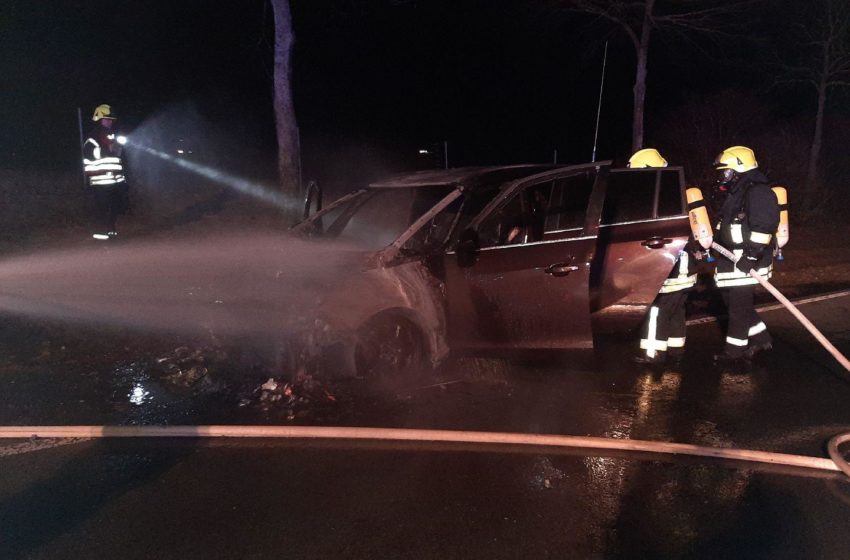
(760, 327)
(737, 233)
(106, 179)
(737, 341)
(677, 284)
(737, 282)
(683, 263)
(109, 159)
(650, 344)
(676, 342)
(762, 238)
(738, 274)
(682, 281)
(97, 161)
(738, 278)
(95, 167)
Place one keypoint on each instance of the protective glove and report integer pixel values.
(746, 263)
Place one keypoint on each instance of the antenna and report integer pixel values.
(82, 146)
(599, 106)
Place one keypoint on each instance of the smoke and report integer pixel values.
(178, 158)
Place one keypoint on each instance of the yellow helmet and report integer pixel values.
(737, 158)
(103, 112)
(648, 157)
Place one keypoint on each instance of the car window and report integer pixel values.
(568, 203)
(434, 234)
(505, 226)
(523, 219)
(630, 196)
(670, 196)
(376, 218)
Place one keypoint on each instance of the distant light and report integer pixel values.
(122, 140)
(424, 152)
(179, 151)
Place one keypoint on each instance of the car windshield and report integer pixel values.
(376, 217)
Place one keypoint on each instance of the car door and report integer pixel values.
(643, 228)
(525, 285)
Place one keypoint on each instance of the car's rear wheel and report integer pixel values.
(390, 348)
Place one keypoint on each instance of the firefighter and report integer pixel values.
(104, 170)
(747, 219)
(663, 330)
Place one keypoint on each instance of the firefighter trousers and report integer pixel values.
(746, 329)
(109, 203)
(663, 330)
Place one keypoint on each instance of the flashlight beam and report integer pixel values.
(242, 185)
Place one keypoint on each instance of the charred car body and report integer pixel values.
(525, 257)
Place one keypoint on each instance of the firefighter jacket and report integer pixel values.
(684, 274)
(748, 218)
(102, 158)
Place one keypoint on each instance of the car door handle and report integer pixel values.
(560, 269)
(656, 242)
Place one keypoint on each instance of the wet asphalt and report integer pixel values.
(277, 499)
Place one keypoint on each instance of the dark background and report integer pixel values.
(375, 80)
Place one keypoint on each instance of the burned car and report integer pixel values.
(492, 259)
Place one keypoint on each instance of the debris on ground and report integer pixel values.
(545, 475)
(184, 366)
(291, 398)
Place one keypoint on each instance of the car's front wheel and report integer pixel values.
(389, 347)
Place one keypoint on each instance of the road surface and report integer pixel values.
(277, 499)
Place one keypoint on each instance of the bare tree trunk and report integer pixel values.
(287, 128)
(642, 52)
(817, 140)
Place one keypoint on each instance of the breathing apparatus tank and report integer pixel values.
(698, 218)
(782, 232)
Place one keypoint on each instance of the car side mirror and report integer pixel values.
(312, 199)
(467, 247)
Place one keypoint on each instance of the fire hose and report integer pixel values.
(81, 433)
(836, 441)
(828, 346)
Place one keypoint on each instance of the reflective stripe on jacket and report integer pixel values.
(748, 218)
(683, 275)
(101, 169)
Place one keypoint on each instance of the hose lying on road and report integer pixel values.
(832, 448)
(412, 435)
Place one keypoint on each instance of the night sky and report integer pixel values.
(502, 81)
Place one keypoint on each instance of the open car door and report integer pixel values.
(519, 275)
(643, 229)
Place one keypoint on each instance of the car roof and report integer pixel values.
(457, 176)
